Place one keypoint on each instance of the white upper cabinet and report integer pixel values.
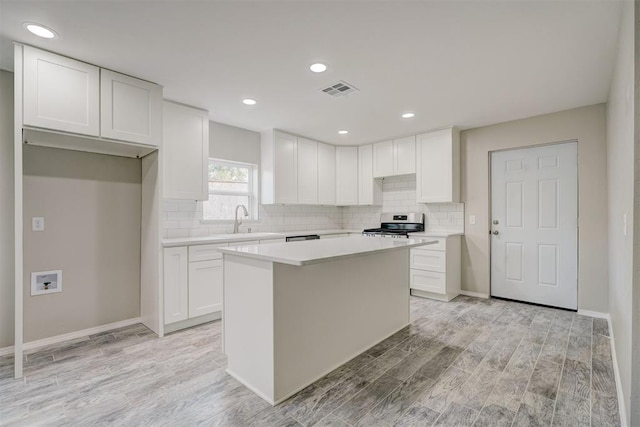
(438, 166)
(404, 155)
(60, 93)
(185, 134)
(307, 172)
(65, 95)
(369, 189)
(326, 174)
(279, 163)
(397, 157)
(130, 109)
(383, 159)
(346, 176)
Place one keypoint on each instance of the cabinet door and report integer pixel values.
(176, 288)
(437, 167)
(205, 287)
(383, 161)
(369, 189)
(346, 176)
(307, 172)
(130, 109)
(60, 93)
(285, 152)
(185, 146)
(404, 155)
(429, 281)
(326, 174)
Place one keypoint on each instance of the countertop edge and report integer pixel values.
(301, 263)
(208, 240)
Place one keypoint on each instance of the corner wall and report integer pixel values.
(587, 126)
(6, 210)
(620, 167)
(634, 406)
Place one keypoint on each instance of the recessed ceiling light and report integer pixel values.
(249, 101)
(408, 115)
(40, 30)
(343, 132)
(318, 67)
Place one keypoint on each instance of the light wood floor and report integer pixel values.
(466, 362)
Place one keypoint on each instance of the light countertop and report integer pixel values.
(437, 234)
(316, 251)
(244, 237)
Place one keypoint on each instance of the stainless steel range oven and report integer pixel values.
(397, 225)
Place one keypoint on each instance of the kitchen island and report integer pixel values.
(295, 311)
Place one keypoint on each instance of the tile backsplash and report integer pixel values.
(183, 218)
(399, 195)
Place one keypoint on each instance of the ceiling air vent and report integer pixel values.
(340, 88)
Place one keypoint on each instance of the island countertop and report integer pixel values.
(317, 251)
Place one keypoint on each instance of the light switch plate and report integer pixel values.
(37, 223)
(472, 219)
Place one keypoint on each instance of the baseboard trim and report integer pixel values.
(596, 314)
(184, 324)
(475, 294)
(621, 405)
(71, 335)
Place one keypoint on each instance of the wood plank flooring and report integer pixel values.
(467, 362)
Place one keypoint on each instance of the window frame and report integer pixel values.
(252, 193)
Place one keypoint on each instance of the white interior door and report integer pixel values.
(534, 229)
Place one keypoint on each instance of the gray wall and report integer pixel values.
(620, 165)
(232, 143)
(6, 209)
(635, 351)
(91, 204)
(587, 126)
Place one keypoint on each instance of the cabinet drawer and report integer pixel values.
(265, 242)
(423, 259)
(429, 281)
(248, 242)
(205, 252)
(440, 246)
(333, 236)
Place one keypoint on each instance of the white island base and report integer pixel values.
(286, 326)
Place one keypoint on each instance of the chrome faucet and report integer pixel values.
(238, 221)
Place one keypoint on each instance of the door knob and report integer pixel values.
(496, 232)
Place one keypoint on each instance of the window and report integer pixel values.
(230, 184)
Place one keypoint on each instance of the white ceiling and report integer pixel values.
(464, 63)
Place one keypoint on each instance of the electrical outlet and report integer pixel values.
(472, 219)
(37, 223)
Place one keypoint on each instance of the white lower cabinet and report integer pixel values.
(205, 287)
(435, 269)
(176, 285)
(193, 279)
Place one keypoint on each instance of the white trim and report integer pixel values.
(474, 294)
(195, 321)
(72, 335)
(621, 405)
(596, 314)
